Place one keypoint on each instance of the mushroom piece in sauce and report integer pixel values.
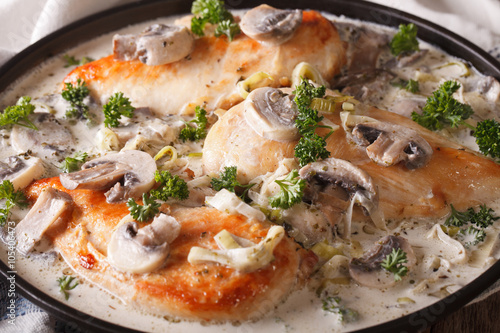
(367, 270)
(142, 250)
(50, 207)
(159, 44)
(271, 113)
(334, 182)
(388, 144)
(21, 170)
(128, 173)
(270, 25)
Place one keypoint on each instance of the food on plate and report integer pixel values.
(264, 167)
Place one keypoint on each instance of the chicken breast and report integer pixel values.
(208, 292)
(208, 76)
(453, 174)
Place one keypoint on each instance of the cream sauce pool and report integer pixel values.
(434, 277)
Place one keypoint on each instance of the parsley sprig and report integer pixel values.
(410, 85)
(12, 198)
(198, 132)
(117, 106)
(487, 134)
(18, 114)
(170, 187)
(65, 284)
(405, 40)
(71, 164)
(145, 212)
(75, 94)
(393, 263)
(311, 146)
(214, 12)
(227, 180)
(291, 191)
(441, 109)
(471, 223)
(347, 315)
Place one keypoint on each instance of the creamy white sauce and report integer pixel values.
(302, 311)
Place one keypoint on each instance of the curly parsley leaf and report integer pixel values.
(214, 12)
(311, 146)
(8, 192)
(478, 235)
(332, 304)
(393, 263)
(75, 94)
(291, 193)
(198, 132)
(442, 109)
(117, 107)
(72, 61)
(65, 284)
(487, 134)
(456, 218)
(72, 164)
(5, 212)
(227, 179)
(18, 114)
(405, 40)
(145, 212)
(170, 187)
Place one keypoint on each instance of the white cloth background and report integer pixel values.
(23, 22)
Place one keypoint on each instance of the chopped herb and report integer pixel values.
(442, 109)
(410, 85)
(75, 94)
(405, 40)
(170, 187)
(72, 61)
(227, 180)
(198, 132)
(487, 134)
(311, 146)
(72, 164)
(18, 114)
(143, 213)
(292, 191)
(346, 315)
(471, 223)
(393, 263)
(214, 12)
(65, 285)
(8, 192)
(117, 107)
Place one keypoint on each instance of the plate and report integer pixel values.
(116, 18)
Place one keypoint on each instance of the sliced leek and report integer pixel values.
(307, 71)
(256, 80)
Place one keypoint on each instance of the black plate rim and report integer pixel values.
(109, 20)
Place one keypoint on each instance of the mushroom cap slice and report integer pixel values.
(271, 113)
(143, 250)
(128, 174)
(159, 44)
(270, 25)
(21, 171)
(367, 270)
(51, 206)
(388, 144)
(332, 179)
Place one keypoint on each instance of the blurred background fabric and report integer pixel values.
(23, 22)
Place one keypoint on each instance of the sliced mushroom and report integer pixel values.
(367, 270)
(388, 144)
(129, 174)
(51, 139)
(271, 113)
(143, 250)
(332, 183)
(270, 25)
(51, 206)
(159, 44)
(21, 170)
